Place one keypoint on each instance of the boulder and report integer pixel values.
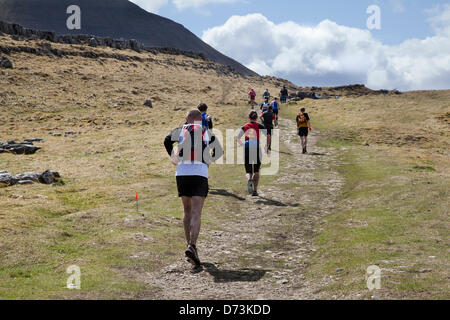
(23, 149)
(7, 179)
(148, 103)
(92, 42)
(27, 176)
(5, 63)
(49, 177)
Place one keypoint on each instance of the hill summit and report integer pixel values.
(118, 19)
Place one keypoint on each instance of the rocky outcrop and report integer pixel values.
(20, 33)
(27, 147)
(47, 177)
(354, 90)
(86, 42)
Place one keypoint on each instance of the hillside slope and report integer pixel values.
(372, 191)
(113, 18)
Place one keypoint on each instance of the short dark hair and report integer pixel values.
(302, 109)
(202, 107)
(253, 115)
(194, 115)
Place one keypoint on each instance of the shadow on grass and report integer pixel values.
(225, 193)
(316, 154)
(275, 203)
(224, 276)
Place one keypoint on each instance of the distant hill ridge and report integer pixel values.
(18, 32)
(108, 20)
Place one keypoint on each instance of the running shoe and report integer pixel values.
(255, 194)
(250, 186)
(192, 255)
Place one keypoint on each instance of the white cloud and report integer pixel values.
(331, 54)
(184, 4)
(439, 18)
(151, 5)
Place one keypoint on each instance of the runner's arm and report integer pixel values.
(170, 140)
(309, 122)
(240, 135)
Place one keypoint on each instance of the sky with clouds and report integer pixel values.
(325, 42)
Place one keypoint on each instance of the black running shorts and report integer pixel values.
(192, 186)
(303, 132)
(252, 168)
(253, 155)
(252, 159)
(275, 111)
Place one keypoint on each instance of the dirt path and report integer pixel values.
(264, 252)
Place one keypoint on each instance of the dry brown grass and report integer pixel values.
(117, 151)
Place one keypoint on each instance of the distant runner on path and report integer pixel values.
(267, 119)
(266, 95)
(192, 160)
(252, 96)
(303, 124)
(207, 122)
(253, 155)
(275, 109)
(284, 95)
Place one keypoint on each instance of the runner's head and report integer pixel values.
(253, 115)
(202, 107)
(302, 110)
(270, 108)
(193, 116)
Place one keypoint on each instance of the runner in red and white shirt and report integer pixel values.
(192, 160)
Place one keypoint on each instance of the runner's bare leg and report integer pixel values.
(255, 181)
(187, 205)
(196, 214)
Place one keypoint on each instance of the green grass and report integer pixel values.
(392, 212)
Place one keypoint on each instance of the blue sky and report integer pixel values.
(401, 21)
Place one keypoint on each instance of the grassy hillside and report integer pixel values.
(392, 211)
(117, 151)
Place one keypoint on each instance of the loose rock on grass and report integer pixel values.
(47, 177)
